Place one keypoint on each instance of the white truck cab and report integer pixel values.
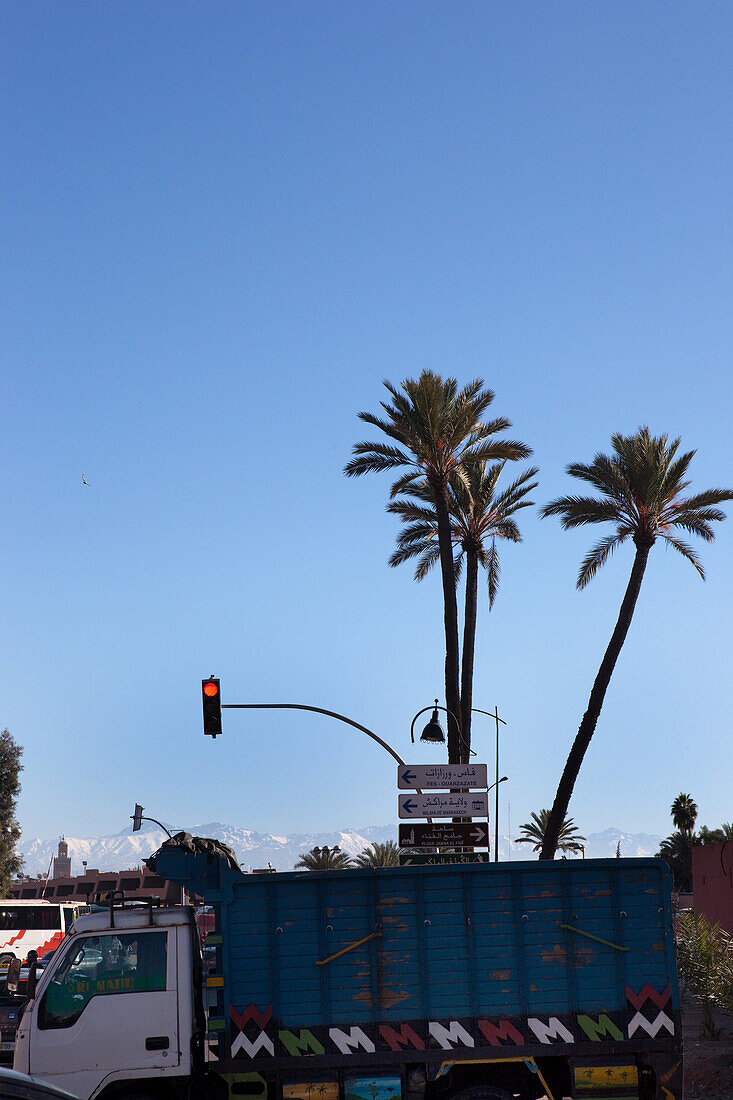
(115, 1004)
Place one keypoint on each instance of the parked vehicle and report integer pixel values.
(13, 1084)
(475, 982)
(35, 925)
(13, 998)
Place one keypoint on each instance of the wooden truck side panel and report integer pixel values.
(436, 964)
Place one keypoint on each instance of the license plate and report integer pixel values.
(7, 1046)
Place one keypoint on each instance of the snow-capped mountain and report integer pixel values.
(120, 851)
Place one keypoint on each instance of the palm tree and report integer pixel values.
(478, 519)
(676, 851)
(439, 434)
(379, 855)
(684, 813)
(324, 859)
(641, 488)
(533, 832)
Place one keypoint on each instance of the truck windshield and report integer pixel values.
(101, 966)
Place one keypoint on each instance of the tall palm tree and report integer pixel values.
(676, 851)
(641, 488)
(379, 855)
(439, 433)
(533, 832)
(324, 859)
(479, 517)
(684, 812)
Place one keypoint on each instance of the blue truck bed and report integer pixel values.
(438, 964)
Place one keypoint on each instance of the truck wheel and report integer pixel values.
(481, 1092)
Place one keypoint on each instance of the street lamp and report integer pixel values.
(138, 818)
(497, 719)
(434, 734)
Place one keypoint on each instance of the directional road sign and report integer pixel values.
(445, 834)
(444, 857)
(427, 777)
(444, 805)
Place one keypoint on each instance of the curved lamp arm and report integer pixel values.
(329, 714)
(433, 707)
(317, 710)
(160, 823)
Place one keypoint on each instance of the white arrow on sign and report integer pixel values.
(428, 777)
(444, 805)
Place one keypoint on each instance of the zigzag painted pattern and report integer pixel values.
(648, 993)
(262, 1019)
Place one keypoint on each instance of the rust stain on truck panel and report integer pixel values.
(558, 955)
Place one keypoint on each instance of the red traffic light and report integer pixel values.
(212, 706)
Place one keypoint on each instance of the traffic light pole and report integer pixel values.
(317, 710)
(138, 818)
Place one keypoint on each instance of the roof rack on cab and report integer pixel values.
(115, 899)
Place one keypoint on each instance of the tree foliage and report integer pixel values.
(684, 813)
(379, 855)
(705, 965)
(640, 486)
(437, 433)
(676, 851)
(11, 862)
(480, 518)
(533, 832)
(324, 859)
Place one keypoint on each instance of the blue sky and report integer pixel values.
(223, 226)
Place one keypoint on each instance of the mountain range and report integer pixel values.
(120, 851)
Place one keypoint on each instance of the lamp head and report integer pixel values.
(433, 732)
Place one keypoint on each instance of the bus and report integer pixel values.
(35, 925)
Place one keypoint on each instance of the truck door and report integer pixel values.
(110, 1005)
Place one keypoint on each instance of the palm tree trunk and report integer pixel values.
(450, 618)
(597, 695)
(469, 643)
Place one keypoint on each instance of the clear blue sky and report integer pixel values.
(223, 225)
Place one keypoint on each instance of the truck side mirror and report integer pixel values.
(11, 982)
(30, 988)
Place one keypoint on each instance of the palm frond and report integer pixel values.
(707, 499)
(686, 552)
(603, 474)
(693, 523)
(418, 533)
(405, 553)
(408, 511)
(491, 450)
(493, 572)
(597, 557)
(578, 511)
(427, 560)
(404, 483)
(375, 457)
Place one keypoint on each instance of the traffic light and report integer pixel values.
(137, 818)
(211, 696)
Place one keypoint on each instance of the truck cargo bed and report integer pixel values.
(441, 963)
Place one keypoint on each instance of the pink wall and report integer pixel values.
(712, 882)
